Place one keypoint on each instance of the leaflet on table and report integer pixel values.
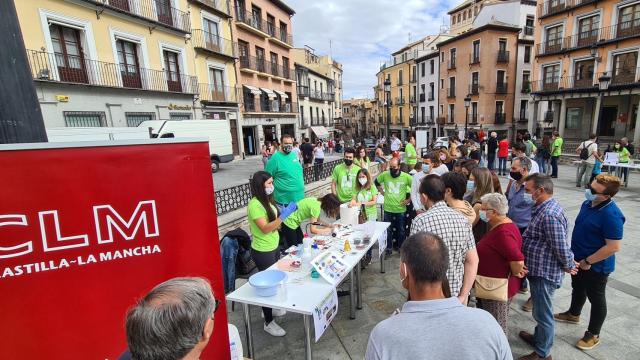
(611, 158)
(330, 266)
(324, 313)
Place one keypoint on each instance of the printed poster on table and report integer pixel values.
(324, 313)
(330, 266)
(611, 158)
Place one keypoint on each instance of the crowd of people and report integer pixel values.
(469, 242)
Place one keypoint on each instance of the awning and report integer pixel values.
(269, 93)
(320, 131)
(282, 94)
(254, 90)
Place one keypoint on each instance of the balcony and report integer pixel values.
(554, 46)
(154, 11)
(422, 97)
(474, 59)
(303, 91)
(451, 64)
(265, 68)
(623, 76)
(594, 37)
(431, 97)
(424, 121)
(554, 7)
(281, 37)
(523, 119)
(321, 96)
(526, 87)
(399, 101)
(412, 99)
(218, 94)
(500, 118)
(255, 24)
(209, 42)
(275, 106)
(528, 30)
(440, 120)
(549, 116)
(503, 56)
(413, 79)
(451, 93)
(501, 88)
(473, 119)
(474, 89)
(51, 67)
(399, 83)
(220, 7)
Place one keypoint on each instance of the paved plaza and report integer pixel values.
(383, 293)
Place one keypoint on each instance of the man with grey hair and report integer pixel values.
(520, 203)
(547, 256)
(173, 321)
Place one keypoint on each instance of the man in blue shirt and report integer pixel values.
(595, 240)
(547, 256)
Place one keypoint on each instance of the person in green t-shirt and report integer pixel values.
(556, 151)
(395, 186)
(264, 222)
(410, 154)
(366, 195)
(362, 160)
(309, 209)
(343, 178)
(287, 173)
(623, 158)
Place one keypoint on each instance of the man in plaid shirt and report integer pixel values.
(547, 256)
(455, 231)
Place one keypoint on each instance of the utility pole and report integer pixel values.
(20, 115)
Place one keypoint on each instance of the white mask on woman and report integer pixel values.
(363, 181)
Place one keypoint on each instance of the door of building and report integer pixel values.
(607, 124)
(249, 140)
(269, 132)
(233, 124)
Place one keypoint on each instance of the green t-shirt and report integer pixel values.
(345, 181)
(366, 195)
(623, 156)
(261, 242)
(307, 208)
(557, 147)
(287, 177)
(411, 155)
(395, 191)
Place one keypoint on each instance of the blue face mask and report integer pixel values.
(470, 185)
(589, 195)
(426, 168)
(483, 216)
(528, 199)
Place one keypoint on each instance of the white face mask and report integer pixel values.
(362, 181)
(268, 190)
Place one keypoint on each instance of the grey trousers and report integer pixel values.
(583, 173)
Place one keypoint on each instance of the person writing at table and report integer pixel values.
(264, 222)
(310, 209)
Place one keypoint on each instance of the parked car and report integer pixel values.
(441, 142)
(217, 131)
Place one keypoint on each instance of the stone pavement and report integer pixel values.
(238, 172)
(383, 293)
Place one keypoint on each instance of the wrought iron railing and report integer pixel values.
(552, 7)
(474, 89)
(303, 91)
(322, 96)
(622, 77)
(202, 39)
(431, 96)
(451, 64)
(216, 93)
(422, 97)
(528, 30)
(399, 100)
(474, 59)
(624, 30)
(283, 36)
(501, 88)
(503, 56)
(273, 106)
(237, 197)
(245, 17)
(221, 6)
(452, 92)
(78, 70)
(500, 118)
(159, 11)
(549, 116)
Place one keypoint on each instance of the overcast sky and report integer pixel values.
(363, 33)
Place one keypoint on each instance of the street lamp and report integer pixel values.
(467, 103)
(387, 92)
(603, 84)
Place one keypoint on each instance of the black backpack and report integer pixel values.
(584, 153)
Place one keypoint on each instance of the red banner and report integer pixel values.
(86, 231)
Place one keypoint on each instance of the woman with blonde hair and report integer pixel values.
(482, 182)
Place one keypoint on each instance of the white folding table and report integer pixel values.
(302, 294)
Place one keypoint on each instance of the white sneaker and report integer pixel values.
(274, 329)
(275, 312)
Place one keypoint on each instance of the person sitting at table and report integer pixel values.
(429, 321)
(264, 222)
(310, 209)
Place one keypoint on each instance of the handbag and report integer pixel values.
(490, 288)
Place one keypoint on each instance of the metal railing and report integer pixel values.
(431, 96)
(625, 30)
(503, 56)
(422, 97)
(474, 59)
(216, 93)
(246, 17)
(159, 11)
(451, 65)
(283, 36)
(412, 99)
(549, 116)
(413, 78)
(303, 91)
(528, 30)
(500, 118)
(77, 70)
(523, 119)
(452, 92)
(552, 7)
(526, 87)
(399, 100)
(501, 88)
(272, 106)
(550, 47)
(474, 89)
(202, 39)
(624, 76)
(222, 6)
(322, 96)
(473, 119)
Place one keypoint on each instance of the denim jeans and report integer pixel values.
(554, 166)
(542, 163)
(502, 168)
(396, 230)
(542, 291)
(228, 253)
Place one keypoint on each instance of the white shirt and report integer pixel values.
(415, 190)
(396, 144)
(440, 170)
(319, 152)
(591, 147)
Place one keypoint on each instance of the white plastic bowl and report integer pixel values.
(266, 282)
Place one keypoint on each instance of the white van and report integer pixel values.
(218, 132)
(69, 134)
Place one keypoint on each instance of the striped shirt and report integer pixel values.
(546, 250)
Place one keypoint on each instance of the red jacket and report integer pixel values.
(503, 148)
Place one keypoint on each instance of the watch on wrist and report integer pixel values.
(586, 261)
